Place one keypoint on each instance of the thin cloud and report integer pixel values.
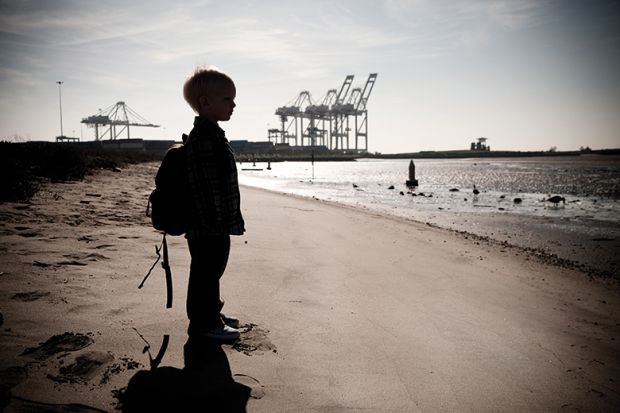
(449, 26)
(514, 15)
(16, 77)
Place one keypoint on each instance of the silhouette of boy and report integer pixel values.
(212, 177)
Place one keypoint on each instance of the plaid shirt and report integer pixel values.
(212, 177)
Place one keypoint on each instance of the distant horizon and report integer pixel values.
(53, 140)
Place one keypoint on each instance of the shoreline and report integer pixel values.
(547, 252)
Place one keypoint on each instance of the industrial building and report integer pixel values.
(481, 145)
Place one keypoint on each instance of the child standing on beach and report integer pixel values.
(212, 177)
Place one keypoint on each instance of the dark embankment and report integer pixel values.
(24, 166)
(457, 154)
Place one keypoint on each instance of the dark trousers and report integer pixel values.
(204, 304)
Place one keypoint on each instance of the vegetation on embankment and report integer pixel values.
(488, 154)
(24, 166)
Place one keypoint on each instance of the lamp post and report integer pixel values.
(60, 103)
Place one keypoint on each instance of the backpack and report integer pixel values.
(169, 206)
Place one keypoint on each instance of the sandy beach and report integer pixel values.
(341, 310)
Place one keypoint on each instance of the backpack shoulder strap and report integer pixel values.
(166, 266)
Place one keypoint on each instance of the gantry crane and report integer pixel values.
(361, 127)
(117, 118)
(335, 108)
(340, 128)
(318, 116)
(294, 110)
(353, 104)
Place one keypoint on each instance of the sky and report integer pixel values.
(525, 74)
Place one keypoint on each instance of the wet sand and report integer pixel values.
(587, 244)
(342, 310)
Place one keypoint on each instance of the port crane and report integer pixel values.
(328, 122)
(114, 120)
(340, 128)
(318, 115)
(361, 112)
(292, 110)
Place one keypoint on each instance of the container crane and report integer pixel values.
(320, 114)
(117, 118)
(355, 106)
(335, 108)
(292, 109)
(340, 128)
(361, 112)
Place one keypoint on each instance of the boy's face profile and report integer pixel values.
(218, 102)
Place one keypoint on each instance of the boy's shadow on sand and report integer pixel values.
(205, 383)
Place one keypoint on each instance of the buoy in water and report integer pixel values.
(412, 181)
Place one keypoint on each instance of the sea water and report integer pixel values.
(589, 184)
(513, 193)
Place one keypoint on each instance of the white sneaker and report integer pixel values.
(230, 321)
(225, 333)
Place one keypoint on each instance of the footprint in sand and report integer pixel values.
(81, 258)
(253, 339)
(59, 344)
(72, 262)
(105, 246)
(30, 295)
(42, 264)
(92, 256)
(84, 368)
(257, 391)
(26, 232)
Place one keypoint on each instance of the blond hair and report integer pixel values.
(199, 83)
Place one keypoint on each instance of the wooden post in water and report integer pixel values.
(269, 165)
(412, 181)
